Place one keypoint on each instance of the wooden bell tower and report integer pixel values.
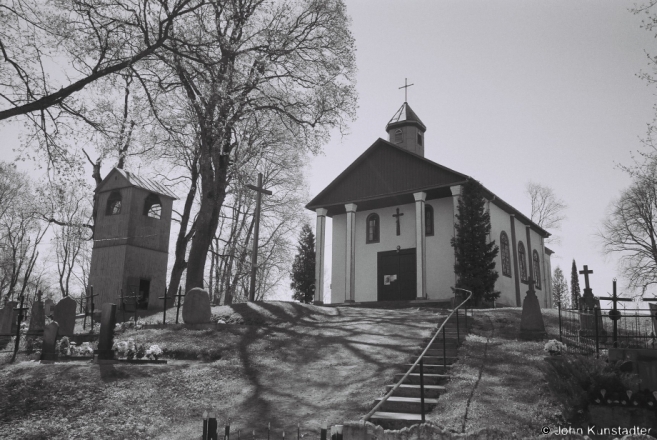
(131, 239)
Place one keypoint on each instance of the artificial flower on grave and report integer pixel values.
(120, 347)
(153, 352)
(64, 346)
(141, 351)
(132, 349)
(86, 349)
(554, 347)
(72, 349)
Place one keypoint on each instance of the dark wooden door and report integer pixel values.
(396, 275)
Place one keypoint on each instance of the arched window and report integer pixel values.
(113, 203)
(523, 262)
(537, 270)
(428, 220)
(153, 206)
(372, 228)
(399, 136)
(506, 254)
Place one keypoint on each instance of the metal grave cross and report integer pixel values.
(165, 297)
(397, 217)
(89, 311)
(614, 313)
(405, 87)
(180, 296)
(254, 262)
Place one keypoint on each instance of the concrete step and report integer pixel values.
(413, 390)
(429, 378)
(438, 360)
(407, 404)
(396, 417)
(429, 368)
(449, 352)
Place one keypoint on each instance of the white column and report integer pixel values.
(350, 254)
(420, 246)
(319, 255)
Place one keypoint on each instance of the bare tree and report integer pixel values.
(630, 229)
(547, 208)
(234, 60)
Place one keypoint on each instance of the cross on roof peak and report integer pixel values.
(405, 87)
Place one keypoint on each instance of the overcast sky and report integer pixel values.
(510, 91)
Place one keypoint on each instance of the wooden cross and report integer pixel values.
(180, 296)
(164, 315)
(18, 327)
(405, 87)
(89, 297)
(254, 262)
(614, 314)
(586, 273)
(397, 217)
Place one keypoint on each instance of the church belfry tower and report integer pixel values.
(131, 240)
(406, 130)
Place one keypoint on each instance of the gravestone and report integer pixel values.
(531, 323)
(589, 307)
(49, 352)
(49, 307)
(196, 309)
(8, 318)
(37, 317)
(106, 336)
(65, 316)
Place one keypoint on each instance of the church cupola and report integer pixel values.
(406, 130)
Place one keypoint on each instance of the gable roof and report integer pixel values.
(388, 175)
(131, 179)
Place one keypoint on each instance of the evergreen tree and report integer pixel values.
(560, 289)
(475, 255)
(303, 269)
(575, 293)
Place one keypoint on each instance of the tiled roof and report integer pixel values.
(150, 185)
(406, 114)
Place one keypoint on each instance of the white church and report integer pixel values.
(393, 215)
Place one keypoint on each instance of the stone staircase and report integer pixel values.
(403, 407)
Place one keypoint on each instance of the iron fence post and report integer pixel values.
(597, 346)
(559, 308)
(422, 387)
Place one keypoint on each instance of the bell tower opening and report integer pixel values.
(406, 130)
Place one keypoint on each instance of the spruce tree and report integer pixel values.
(475, 255)
(303, 268)
(575, 293)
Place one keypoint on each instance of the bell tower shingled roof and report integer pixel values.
(406, 130)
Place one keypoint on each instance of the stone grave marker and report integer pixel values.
(531, 322)
(196, 308)
(587, 307)
(65, 316)
(106, 336)
(49, 307)
(49, 352)
(38, 316)
(8, 318)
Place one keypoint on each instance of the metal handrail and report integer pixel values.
(398, 384)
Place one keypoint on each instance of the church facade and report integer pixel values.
(393, 215)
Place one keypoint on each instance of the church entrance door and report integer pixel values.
(396, 275)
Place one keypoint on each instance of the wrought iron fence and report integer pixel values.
(595, 330)
(213, 431)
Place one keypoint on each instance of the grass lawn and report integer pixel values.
(283, 363)
(498, 381)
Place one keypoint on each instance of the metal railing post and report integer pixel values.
(597, 346)
(458, 335)
(422, 387)
(444, 351)
(559, 307)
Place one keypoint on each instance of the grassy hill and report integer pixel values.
(277, 362)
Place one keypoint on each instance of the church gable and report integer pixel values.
(385, 170)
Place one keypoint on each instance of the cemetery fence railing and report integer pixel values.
(595, 330)
(211, 430)
(419, 361)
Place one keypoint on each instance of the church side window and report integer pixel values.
(537, 269)
(153, 206)
(399, 136)
(372, 228)
(428, 220)
(523, 262)
(113, 204)
(506, 254)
